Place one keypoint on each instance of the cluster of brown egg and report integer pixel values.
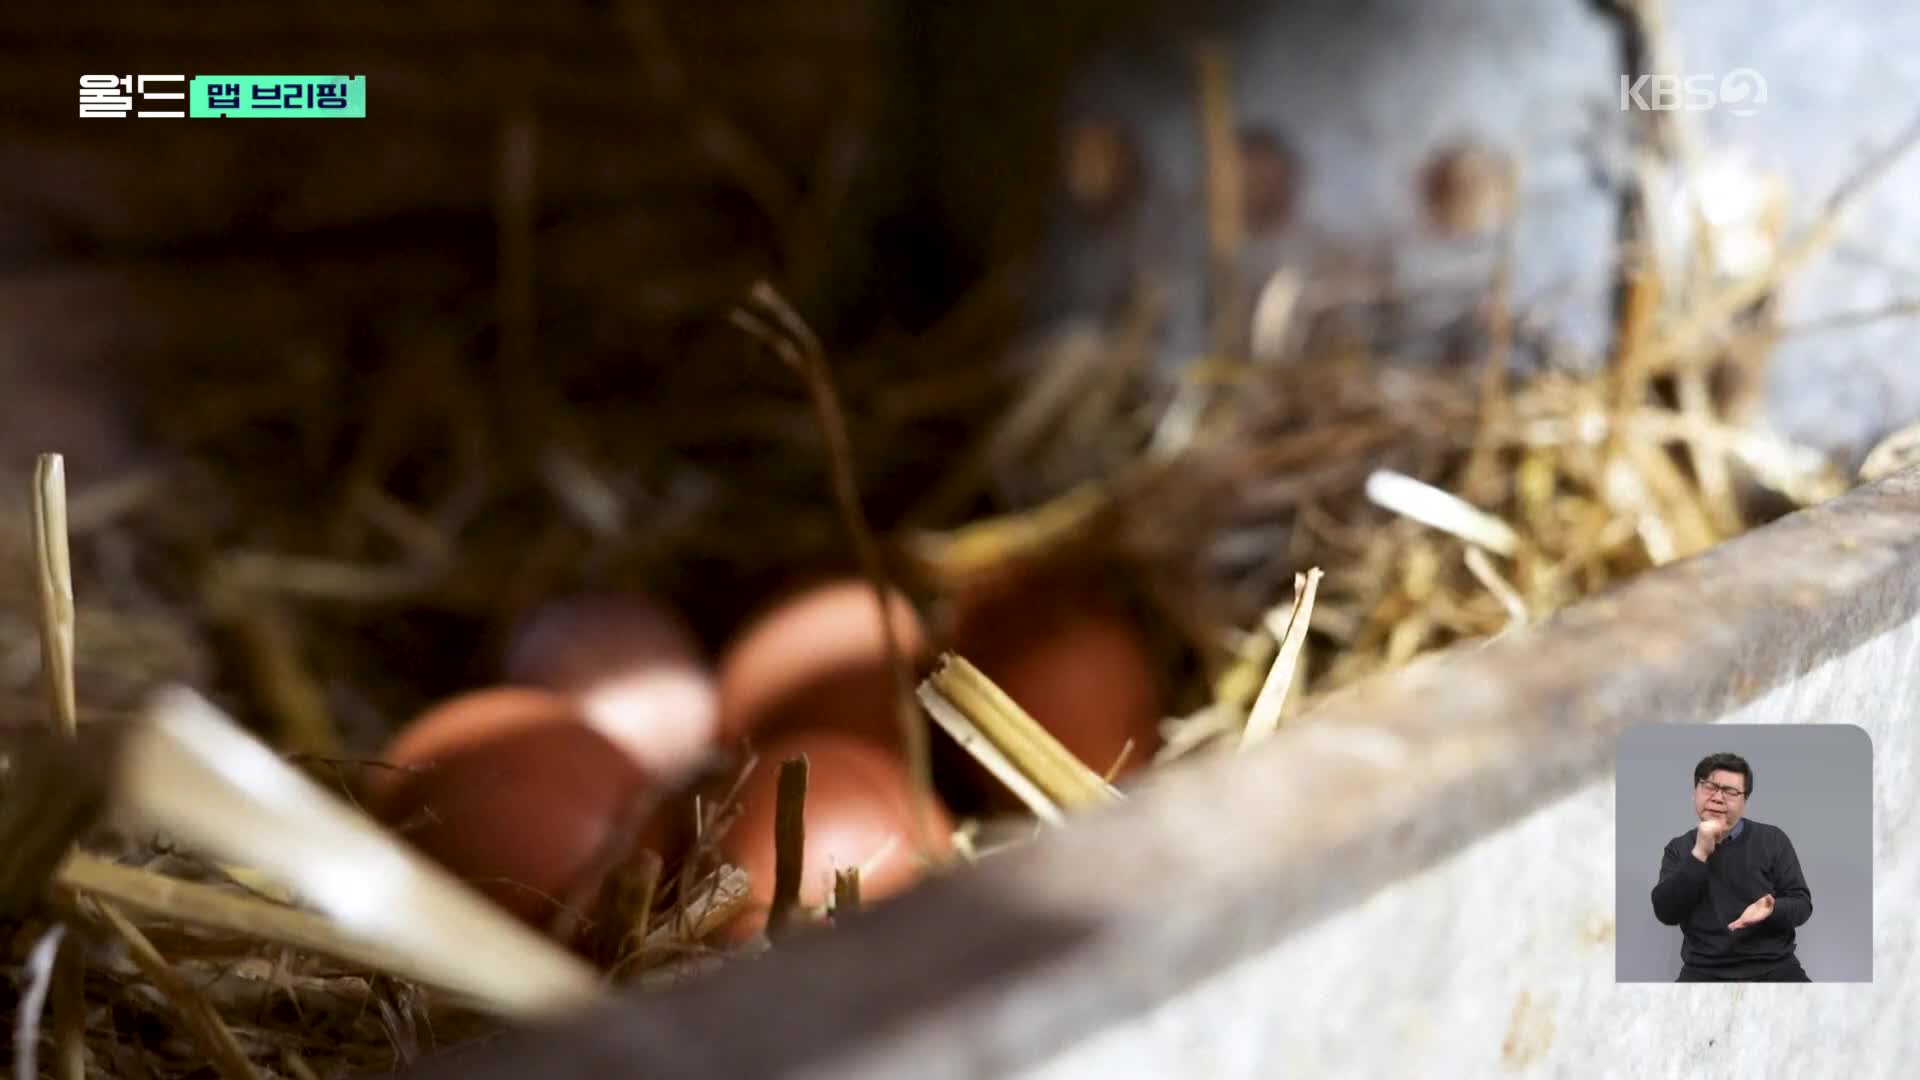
(527, 789)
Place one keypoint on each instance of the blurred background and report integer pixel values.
(475, 348)
(494, 313)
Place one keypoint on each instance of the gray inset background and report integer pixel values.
(1813, 780)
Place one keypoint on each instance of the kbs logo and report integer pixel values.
(1741, 92)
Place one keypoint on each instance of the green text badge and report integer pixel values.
(253, 97)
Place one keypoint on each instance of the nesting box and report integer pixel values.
(1419, 878)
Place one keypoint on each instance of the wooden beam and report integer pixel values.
(997, 968)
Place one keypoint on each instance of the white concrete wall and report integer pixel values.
(1484, 965)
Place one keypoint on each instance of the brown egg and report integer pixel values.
(818, 659)
(634, 667)
(1075, 662)
(859, 813)
(511, 791)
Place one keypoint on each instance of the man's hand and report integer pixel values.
(1708, 838)
(1757, 912)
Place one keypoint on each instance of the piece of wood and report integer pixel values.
(1216, 861)
(1502, 958)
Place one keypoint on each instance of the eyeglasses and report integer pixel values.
(1731, 793)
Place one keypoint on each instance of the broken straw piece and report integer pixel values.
(974, 742)
(191, 771)
(1437, 509)
(1265, 717)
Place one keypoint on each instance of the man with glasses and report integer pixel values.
(1733, 886)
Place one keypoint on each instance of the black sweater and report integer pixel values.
(1702, 898)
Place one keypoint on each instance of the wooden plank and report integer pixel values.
(1216, 861)
(1499, 960)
